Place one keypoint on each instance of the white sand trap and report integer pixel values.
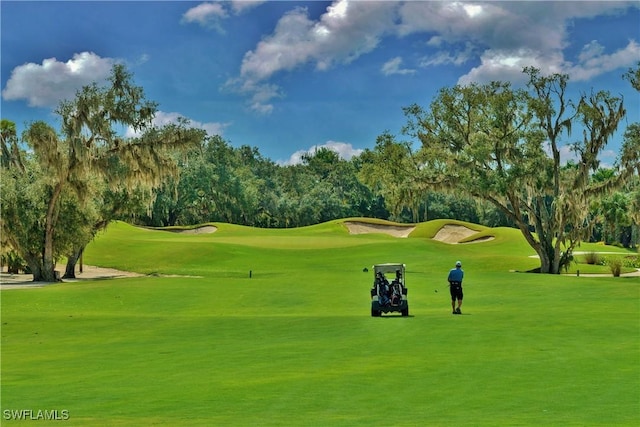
(356, 227)
(207, 229)
(89, 272)
(455, 233)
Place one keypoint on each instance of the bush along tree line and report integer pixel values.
(488, 154)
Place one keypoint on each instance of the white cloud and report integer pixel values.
(260, 93)
(240, 6)
(207, 15)
(435, 41)
(593, 60)
(590, 51)
(46, 84)
(506, 65)
(508, 36)
(343, 149)
(287, 48)
(393, 67)
(145, 57)
(503, 36)
(211, 14)
(343, 33)
(445, 57)
(163, 118)
(49, 83)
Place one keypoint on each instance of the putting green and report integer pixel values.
(294, 344)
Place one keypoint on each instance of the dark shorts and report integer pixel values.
(456, 291)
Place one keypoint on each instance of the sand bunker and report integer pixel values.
(456, 233)
(206, 229)
(89, 272)
(356, 227)
(200, 230)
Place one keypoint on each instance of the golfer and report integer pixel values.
(455, 287)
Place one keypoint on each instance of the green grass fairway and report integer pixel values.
(295, 344)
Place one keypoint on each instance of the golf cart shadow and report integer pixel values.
(396, 316)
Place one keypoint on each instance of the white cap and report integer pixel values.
(458, 264)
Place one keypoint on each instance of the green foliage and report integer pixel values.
(618, 264)
(23, 205)
(615, 264)
(238, 185)
(592, 258)
(14, 262)
(395, 172)
(295, 344)
(631, 261)
(221, 183)
(633, 75)
(62, 180)
(616, 214)
(492, 142)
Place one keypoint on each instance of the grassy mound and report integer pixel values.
(294, 344)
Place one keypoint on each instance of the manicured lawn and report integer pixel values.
(294, 345)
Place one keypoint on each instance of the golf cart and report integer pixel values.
(389, 295)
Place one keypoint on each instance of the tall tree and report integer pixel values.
(632, 139)
(9, 147)
(396, 173)
(503, 145)
(616, 217)
(91, 146)
(23, 206)
(92, 215)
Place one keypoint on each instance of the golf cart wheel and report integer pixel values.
(375, 313)
(405, 312)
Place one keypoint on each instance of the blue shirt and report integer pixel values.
(456, 275)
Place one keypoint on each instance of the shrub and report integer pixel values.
(615, 264)
(632, 261)
(565, 263)
(14, 262)
(592, 258)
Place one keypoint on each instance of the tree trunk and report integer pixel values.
(557, 260)
(549, 259)
(545, 251)
(545, 261)
(72, 260)
(626, 236)
(37, 274)
(35, 265)
(543, 248)
(48, 265)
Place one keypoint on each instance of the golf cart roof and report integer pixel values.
(389, 268)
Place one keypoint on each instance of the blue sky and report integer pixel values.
(289, 76)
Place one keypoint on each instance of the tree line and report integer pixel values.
(220, 183)
(488, 154)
